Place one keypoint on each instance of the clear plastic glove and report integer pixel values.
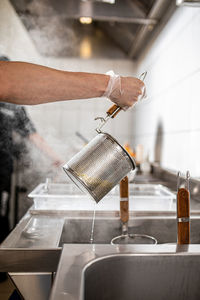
(124, 91)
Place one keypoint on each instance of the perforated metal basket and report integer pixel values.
(99, 166)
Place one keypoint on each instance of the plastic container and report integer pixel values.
(142, 197)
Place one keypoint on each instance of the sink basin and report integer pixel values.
(130, 277)
(163, 229)
(128, 272)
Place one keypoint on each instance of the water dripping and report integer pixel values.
(93, 221)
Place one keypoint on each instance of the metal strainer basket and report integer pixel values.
(99, 166)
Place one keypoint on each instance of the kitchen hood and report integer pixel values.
(188, 2)
(114, 29)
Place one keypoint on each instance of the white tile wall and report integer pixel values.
(173, 65)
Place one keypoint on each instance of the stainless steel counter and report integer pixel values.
(40, 231)
(127, 272)
(35, 245)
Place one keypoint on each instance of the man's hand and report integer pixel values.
(132, 89)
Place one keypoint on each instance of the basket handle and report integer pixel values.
(113, 111)
(124, 203)
(183, 216)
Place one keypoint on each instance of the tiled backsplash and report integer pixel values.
(168, 124)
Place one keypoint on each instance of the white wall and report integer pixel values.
(173, 104)
(14, 39)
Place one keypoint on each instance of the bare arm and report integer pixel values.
(25, 83)
(42, 145)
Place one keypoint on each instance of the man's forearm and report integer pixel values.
(25, 83)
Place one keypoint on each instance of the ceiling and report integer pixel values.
(120, 28)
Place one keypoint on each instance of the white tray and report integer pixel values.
(60, 190)
(143, 197)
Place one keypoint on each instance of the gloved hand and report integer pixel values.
(124, 91)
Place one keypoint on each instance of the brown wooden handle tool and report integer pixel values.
(183, 216)
(113, 111)
(124, 203)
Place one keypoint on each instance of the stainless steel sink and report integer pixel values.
(106, 272)
(163, 229)
(33, 246)
(127, 277)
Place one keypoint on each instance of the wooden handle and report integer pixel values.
(112, 110)
(124, 203)
(183, 214)
(124, 193)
